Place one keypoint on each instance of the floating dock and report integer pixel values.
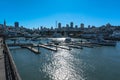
(32, 49)
(46, 47)
(78, 47)
(60, 47)
(85, 45)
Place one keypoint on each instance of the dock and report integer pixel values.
(60, 47)
(78, 47)
(20, 44)
(32, 49)
(88, 45)
(44, 46)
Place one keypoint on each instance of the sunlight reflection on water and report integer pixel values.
(62, 68)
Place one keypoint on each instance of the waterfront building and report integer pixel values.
(116, 34)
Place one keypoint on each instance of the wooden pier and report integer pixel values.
(20, 44)
(28, 46)
(88, 45)
(74, 46)
(32, 49)
(60, 47)
(46, 47)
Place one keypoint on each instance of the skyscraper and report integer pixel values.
(71, 24)
(16, 24)
(59, 25)
(4, 24)
(82, 26)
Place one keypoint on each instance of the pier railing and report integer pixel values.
(11, 70)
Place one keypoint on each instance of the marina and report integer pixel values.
(60, 40)
(87, 63)
(63, 59)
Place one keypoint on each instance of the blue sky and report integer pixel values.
(34, 13)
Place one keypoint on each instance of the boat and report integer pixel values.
(103, 42)
(68, 40)
(107, 43)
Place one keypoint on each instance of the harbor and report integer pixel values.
(87, 63)
(49, 57)
(60, 40)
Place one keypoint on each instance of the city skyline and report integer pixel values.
(36, 13)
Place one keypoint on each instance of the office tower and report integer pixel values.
(71, 24)
(4, 24)
(16, 24)
(76, 26)
(82, 26)
(59, 25)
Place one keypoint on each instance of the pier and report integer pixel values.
(78, 47)
(59, 46)
(2, 62)
(44, 46)
(8, 70)
(32, 49)
(30, 46)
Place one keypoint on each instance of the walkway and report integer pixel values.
(2, 63)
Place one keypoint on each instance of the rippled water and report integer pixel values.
(99, 63)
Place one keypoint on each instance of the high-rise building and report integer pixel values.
(67, 25)
(4, 24)
(108, 25)
(76, 26)
(1, 25)
(16, 24)
(59, 25)
(88, 26)
(82, 26)
(41, 27)
(71, 24)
